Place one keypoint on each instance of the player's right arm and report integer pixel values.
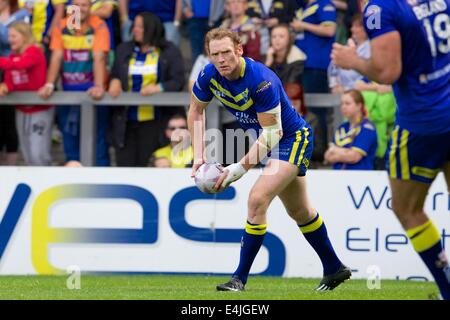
(385, 64)
(200, 98)
(196, 124)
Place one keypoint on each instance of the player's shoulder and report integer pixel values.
(258, 71)
(260, 78)
(372, 7)
(208, 71)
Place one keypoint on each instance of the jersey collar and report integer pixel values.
(243, 65)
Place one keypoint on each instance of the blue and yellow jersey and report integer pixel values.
(423, 89)
(142, 71)
(316, 48)
(42, 14)
(362, 139)
(258, 89)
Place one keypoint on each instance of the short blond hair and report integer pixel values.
(219, 34)
(25, 30)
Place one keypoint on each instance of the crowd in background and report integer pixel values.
(115, 46)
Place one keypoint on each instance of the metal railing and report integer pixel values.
(173, 99)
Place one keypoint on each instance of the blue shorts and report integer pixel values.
(296, 149)
(416, 157)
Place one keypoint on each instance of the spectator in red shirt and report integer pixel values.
(240, 22)
(25, 70)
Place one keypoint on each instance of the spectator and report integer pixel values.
(197, 14)
(149, 64)
(380, 104)
(104, 9)
(287, 61)
(379, 99)
(9, 13)
(341, 80)
(178, 153)
(353, 7)
(315, 27)
(169, 11)
(201, 61)
(269, 13)
(79, 53)
(355, 141)
(241, 23)
(45, 15)
(216, 13)
(25, 70)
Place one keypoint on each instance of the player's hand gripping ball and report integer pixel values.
(207, 176)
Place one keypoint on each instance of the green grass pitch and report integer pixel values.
(170, 287)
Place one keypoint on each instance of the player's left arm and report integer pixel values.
(271, 134)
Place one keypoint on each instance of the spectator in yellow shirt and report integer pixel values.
(178, 153)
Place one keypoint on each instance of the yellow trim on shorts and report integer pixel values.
(392, 159)
(404, 163)
(425, 172)
(305, 143)
(298, 138)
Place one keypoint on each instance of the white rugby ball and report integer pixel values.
(207, 175)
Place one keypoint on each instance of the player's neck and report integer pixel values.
(236, 74)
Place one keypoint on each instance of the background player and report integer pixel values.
(410, 43)
(255, 96)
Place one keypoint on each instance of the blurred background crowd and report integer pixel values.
(151, 46)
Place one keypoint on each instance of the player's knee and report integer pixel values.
(258, 203)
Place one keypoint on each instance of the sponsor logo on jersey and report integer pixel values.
(263, 86)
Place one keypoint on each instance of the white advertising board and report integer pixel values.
(146, 220)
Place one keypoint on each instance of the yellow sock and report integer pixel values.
(424, 236)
